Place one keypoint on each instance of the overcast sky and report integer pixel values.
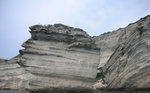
(93, 16)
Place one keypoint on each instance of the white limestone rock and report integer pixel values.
(128, 62)
(56, 57)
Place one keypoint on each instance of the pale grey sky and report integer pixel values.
(93, 16)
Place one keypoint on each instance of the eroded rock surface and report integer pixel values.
(12, 75)
(66, 58)
(126, 60)
(107, 43)
(56, 57)
(3, 60)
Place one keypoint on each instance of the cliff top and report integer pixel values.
(75, 37)
(58, 29)
(139, 23)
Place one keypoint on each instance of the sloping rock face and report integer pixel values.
(3, 60)
(126, 63)
(12, 75)
(107, 43)
(56, 57)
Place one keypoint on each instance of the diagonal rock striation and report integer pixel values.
(59, 57)
(125, 56)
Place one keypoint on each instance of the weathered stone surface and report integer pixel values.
(128, 62)
(99, 84)
(3, 60)
(12, 75)
(107, 43)
(56, 57)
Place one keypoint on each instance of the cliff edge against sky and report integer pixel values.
(55, 57)
(62, 57)
(125, 56)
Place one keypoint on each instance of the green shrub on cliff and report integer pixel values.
(100, 74)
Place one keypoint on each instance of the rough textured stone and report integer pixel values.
(126, 62)
(100, 84)
(56, 57)
(3, 60)
(107, 43)
(66, 58)
(12, 75)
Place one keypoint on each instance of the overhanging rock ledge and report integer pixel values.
(55, 57)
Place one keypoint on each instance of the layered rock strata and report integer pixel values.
(3, 60)
(126, 60)
(12, 75)
(107, 43)
(56, 57)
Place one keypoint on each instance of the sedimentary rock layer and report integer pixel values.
(12, 75)
(66, 58)
(56, 57)
(3, 60)
(126, 59)
(107, 43)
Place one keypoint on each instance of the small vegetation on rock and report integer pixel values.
(100, 74)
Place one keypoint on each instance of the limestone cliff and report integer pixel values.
(66, 58)
(125, 56)
(56, 57)
(3, 60)
(12, 75)
(107, 43)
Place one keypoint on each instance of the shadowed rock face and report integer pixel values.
(126, 60)
(56, 57)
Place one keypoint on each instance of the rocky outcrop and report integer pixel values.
(56, 57)
(12, 75)
(3, 60)
(126, 61)
(59, 57)
(107, 43)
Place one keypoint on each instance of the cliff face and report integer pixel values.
(56, 56)
(107, 43)
(62, 57)
(3, 60)
(12, 75)
(126, 60)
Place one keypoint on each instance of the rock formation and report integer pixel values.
(56, 57)
(59, 57)
(3, 60)
(12, 75)
(107, 43)
(125, 56)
